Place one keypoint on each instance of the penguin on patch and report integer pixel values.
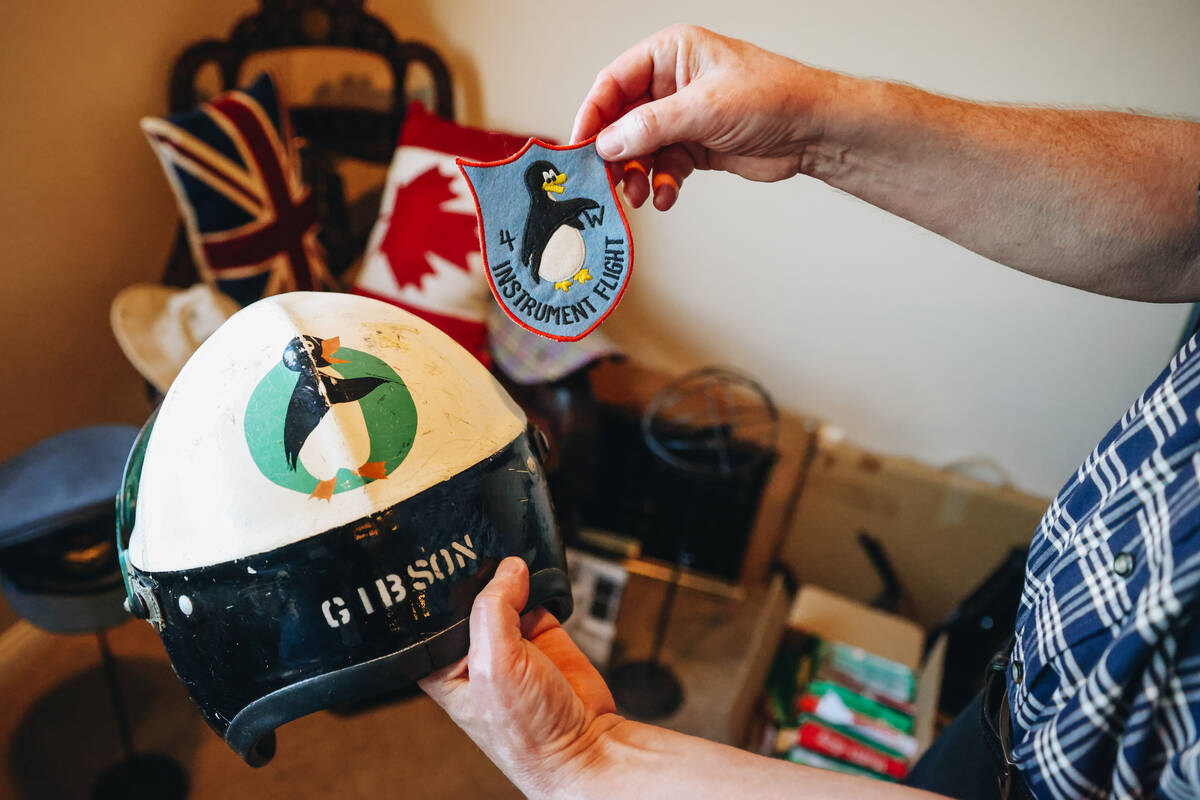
(553, 246)
(325, 407)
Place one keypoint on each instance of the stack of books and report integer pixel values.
(839, 707)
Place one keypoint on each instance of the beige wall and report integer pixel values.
(84, 209)
(912, 344)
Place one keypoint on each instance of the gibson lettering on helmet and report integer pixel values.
(391, 589)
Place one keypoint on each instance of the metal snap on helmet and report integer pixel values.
(313, 508)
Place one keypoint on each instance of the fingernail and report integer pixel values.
(665, 190)
(509, 568)
(633, 165)
(610, 144)
(665, 180)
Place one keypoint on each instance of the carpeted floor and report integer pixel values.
(57, 730)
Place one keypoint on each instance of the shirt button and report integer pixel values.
(1123, 564)
(1018, 671)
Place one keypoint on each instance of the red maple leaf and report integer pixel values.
(419, 225)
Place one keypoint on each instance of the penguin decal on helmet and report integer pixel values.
(313, 398)
(309, 514)
(325, 425)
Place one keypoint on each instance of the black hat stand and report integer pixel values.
(699, 425)
(144, 776)
(649, 689)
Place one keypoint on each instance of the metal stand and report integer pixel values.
(145, 776)
(649, 689)
(692, 425)
(646, 689)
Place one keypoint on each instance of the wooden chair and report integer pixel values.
(367, 134)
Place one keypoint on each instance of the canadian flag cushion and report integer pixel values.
(423, 253)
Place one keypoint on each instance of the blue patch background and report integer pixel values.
(504, 205)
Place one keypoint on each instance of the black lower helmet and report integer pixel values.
(360, 502)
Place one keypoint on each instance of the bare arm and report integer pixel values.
(637, 760)
(534, 704)
(1099, 200)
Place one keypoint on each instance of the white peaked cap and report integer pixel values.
(203, 499)
(159, 327)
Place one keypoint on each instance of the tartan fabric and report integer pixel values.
(526, 358)
(1105, 680)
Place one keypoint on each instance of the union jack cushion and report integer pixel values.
(235, 170)
(423, 253)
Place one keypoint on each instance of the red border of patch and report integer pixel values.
(487, 270)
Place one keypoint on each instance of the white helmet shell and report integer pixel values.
(217, 483)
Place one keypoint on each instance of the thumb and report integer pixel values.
(496, 621)
(652, 126)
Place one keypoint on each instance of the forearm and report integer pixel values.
(629, 759)
(1102, 201)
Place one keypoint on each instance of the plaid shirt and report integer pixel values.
(1105, 674)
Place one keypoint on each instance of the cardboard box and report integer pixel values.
(822, 613)
(942, 532)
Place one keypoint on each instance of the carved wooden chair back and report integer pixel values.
(368, 134)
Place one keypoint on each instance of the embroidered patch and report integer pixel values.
(556, 246)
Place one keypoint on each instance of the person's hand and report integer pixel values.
(687, 98)
(525, 693)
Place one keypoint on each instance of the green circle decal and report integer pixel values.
(290, 401)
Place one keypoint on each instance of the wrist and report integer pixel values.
(577, 769)
(866, 124)
(839, 118)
